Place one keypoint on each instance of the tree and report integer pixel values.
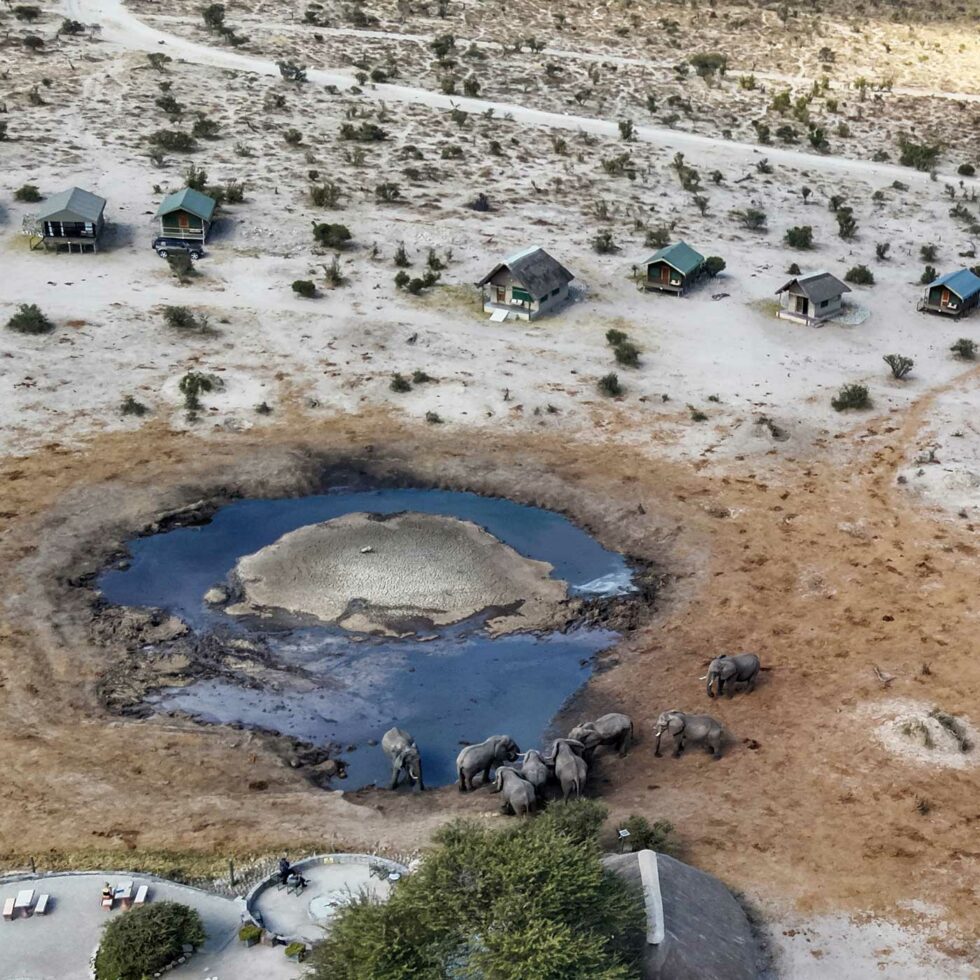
(609, 385)
(603, 243)
(806, 192)
(899, 364)
(861, 275)
(33, 43)
(627, 131)
(752, 218)
(714, 264)
(144, 940)
(627, 354)
(27, 12)
(528, 901)
(846, 223)
(331, 235)
(922, 156)
(291, 72)
(29, 319)
(800, 236)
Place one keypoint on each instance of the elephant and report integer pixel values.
(535, 770)
(569, 766)
(482, 756)
(690, 728)
(612, 729)
(743, 668)
(403, 753)
(519, 796)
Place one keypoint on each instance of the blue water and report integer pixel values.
(461, 685)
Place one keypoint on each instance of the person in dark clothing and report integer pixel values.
(284, 869)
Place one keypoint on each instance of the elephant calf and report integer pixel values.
(403, 754)
(569, 766)
(612, 729)
(690, 728)
(482, 756)
(535, 770)
(743, 668)
(519, 796)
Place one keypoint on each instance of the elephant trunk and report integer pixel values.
(659, 733)
(712, 677)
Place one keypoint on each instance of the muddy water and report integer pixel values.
(453, 686)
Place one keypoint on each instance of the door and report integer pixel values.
(501, 294)
(944, 299)
(665, 274)
(802, 305)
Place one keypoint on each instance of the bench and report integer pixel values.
(8, 908)
(141, 894)
(42, 905)
(107, 903)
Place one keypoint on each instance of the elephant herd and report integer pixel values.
(523, 785)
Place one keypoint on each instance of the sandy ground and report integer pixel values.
(366, 573)
(831, 543)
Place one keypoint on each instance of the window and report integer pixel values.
(556, 290)
(519, 295)
(824, 303)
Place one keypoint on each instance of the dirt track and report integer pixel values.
(823, 568)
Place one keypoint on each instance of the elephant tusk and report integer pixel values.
(703, 678)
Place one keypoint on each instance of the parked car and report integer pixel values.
(165, 246)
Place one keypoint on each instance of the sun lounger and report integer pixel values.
(8, 908)
(141, 894)
(41, 907)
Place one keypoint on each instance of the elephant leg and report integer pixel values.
(486, 775)
(395, 773)
(678, 746)
(751, 685)
(720, 686)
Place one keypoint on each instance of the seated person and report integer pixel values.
(297, 880)
(284, 870)
(107, 893)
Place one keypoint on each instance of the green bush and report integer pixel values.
(130, 406)
(193, 384)
(326, 195)
(645, 836)
(929, 274)
(627, 354)
(965, 348)
(531, 900)
(900, 365)
(30, 319)
(305, 288)
(966, 170)
(331, 235)
(615, 337)
(714, 264)
(27, 12)
(851, 396)
(860, 275)
(249, 932)
(28, 193)
(399, 383)
(173, 139)
(800, 236)
(183, 319)
(918, 155)
(603, 243)
(144, 940)
(609, 385)
(365, 133)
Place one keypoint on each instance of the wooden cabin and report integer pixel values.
(186, 214)
(811, 298)
(73, 219)
(525, 286)
(673, 269)
(954, 294)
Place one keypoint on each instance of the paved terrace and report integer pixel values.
(60, 944)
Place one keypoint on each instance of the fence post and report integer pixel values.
(231, 872)
(33, 866)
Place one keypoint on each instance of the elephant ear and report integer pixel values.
(675, 725)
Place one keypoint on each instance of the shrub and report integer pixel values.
(180, 265)
(928, 253)
(29, 319)
(627, 354)
(144, 940)
(882, 249)
(331, 235)
(615, 337)
(752, 218)
(420, 377)
(929, 274)
(33, 42)
(183, 319)
(295, 949)
(325, 195)
(919, 155)
(387, 191)
(793, 270)
(714, 264)
(249, 932)
(609, 385)
(193, 384)
(214, 16)
(399, 383)
(3, 130)
(644, 836)
(469, 910)
(861, 275)
(291, 72)
(433, 418)
(966, 170)
(851, 396)
(263, 408)
(305, 288)
(28, 193)
(402, 279)
(696, 414)
(899, 364)
(130, 406)
(603, 243)
(480, 203)
(658, 237)
(846, 223)
(27, 12)
(365, 133)
(965, 348)
(800, 236)
(292, 136)
(172, 139)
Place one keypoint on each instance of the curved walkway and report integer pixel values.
(120, 25)
(60, 944)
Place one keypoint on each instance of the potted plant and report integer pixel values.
(296, 951)
(250, 933)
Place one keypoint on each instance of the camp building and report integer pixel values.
(525, 286)
(673, 269)
(74, 218)
(186, 214)
(811, 298)
(954, 294)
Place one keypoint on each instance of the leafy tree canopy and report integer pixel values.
(143, 940)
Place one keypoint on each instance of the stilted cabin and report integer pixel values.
(186, 214)
(673, 269)
(812, 298)
(525, 286)
(73, 219)
(954, 294)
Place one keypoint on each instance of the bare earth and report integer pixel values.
(397, 570)
(840, 546)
